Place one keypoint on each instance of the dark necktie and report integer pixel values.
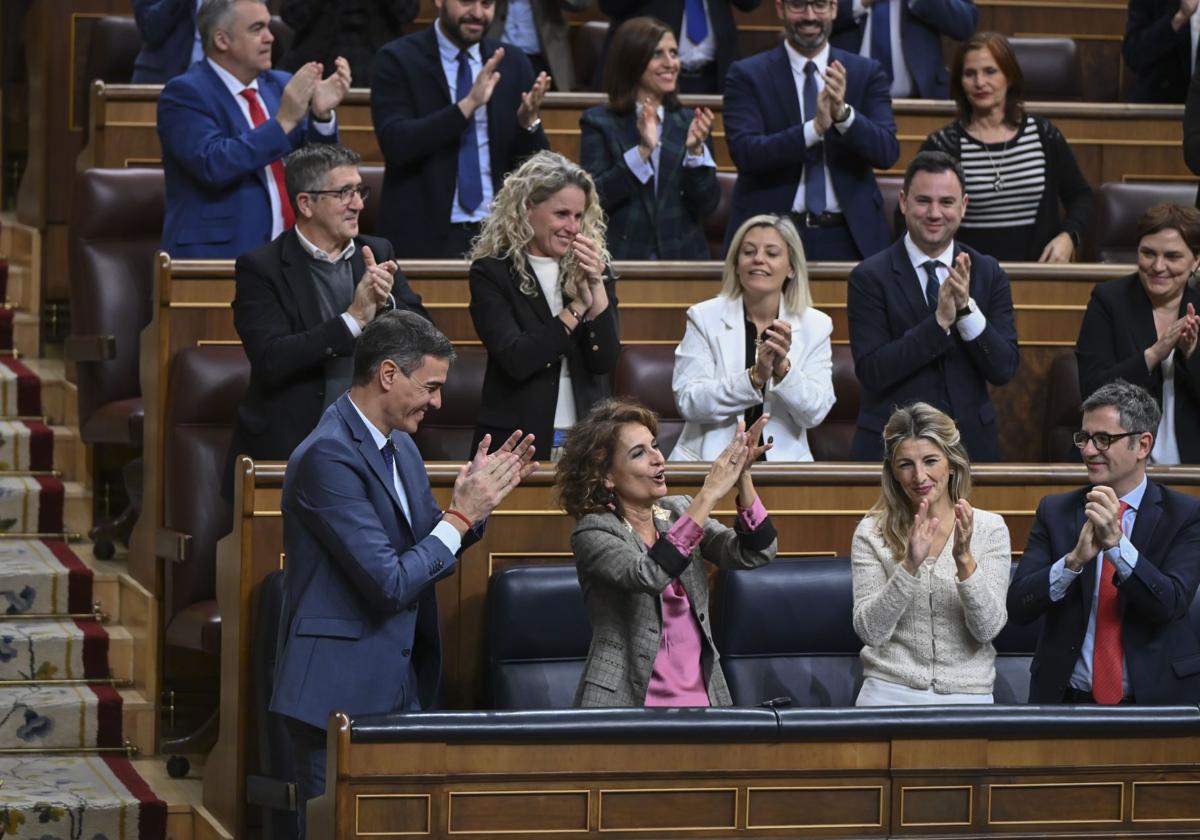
(1107, 650)
(470, 184)
(697, 26)
(388, 451)
(932, 284)
(814, 166)
(881, 35)
(258, 116)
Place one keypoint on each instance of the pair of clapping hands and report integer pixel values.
(484, 481)
(771, 358)
(307, 91)
(1180, 335)
(373, 288)
(647, 126)
(485, 85)
(924, 533)
(954, 295)
(1101, 527)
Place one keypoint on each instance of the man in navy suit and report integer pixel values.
(931, 319)
(807, 126)
(905, 36)
(1160, 48)
(170, 40)
(454, 113)
(1112, 568)
(226, 123)
(365, 542)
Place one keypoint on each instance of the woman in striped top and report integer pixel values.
(1018, 166)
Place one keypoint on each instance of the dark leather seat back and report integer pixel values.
(890, 186)
(1062, 408)
(1119, 207)
(644, 373)
(445, 434)
(1051, 68)
(114, 229)
(537, 637)
(831, 440)
(714, 225)
(785, 630)
(368, 219)
(112, 50)
(206, 384)
(587, 46)
(1015, 647)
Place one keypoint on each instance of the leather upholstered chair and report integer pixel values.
(587, 47)
(1062, 408)
(1119, 206)
(1051, 67)
(446, 433)
(113, 234)
(830, 441)
(890, 186)
(644, 373)
(537, 637)
(784, 630)
(368, 219)
(113, 49)
(714, 225)
(206, 384)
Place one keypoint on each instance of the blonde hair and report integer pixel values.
(506, 231)
(796, 295)
(893, 511)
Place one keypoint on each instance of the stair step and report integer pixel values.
(70, 455)
(74, 717)
(60, 403)
(26, 334)
(56, 649)
(77, 508)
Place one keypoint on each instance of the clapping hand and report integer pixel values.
(589, 288)
(647, 126)
(1181, 335)
(329, 93)
(964, 528)
(920, 539)
(698, 131)
(531, 101)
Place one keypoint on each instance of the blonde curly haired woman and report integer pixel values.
(543, 300)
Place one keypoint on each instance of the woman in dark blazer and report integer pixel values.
(648, 155)
(544, 303)
(641, 557)
(1143, 328)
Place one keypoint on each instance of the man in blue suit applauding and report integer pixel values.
(807, 126)
(226, 123)
(365, 542)
(931, 320)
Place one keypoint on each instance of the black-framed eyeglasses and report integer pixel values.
(346, 194)
(798, 5)
(1101, 440)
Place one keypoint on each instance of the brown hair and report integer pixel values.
(1169, 216)
(628, 56)
(587, 455)
(1002, 51)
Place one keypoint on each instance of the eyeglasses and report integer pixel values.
(346, 194)
(798, 5)
(1101, 440)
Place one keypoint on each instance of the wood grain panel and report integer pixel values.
(518, 812)
(668, 809)
(936, 805)
(391, 814)
(827, 807)
(1058, 803)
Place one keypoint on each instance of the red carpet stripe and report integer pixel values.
(109, 725)
(95, 650)
(41, 445)
(79, 579)
(50, 505)
(29, 388)
(152, 811)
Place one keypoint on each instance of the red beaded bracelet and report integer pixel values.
(453, 512)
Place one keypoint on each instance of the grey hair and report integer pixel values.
(1138, 410)
(305, 169)
(796, 295)
(214, 16)
(404, 337)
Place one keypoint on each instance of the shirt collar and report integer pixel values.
(918, 258)
(317, 254)
(449, 51)
(798, 61)
(1134, 497)
(376, 435)
(231, 81)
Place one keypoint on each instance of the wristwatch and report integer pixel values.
(535, 125)
(962, 312)
(842, 115)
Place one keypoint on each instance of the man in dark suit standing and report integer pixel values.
(454, 112)
(808, 125)
(1160, 48)
(366, 541)
(225, 124)
(302, 301)
(1113, 569)
(931, 319)
(905, 37)
(170, 40)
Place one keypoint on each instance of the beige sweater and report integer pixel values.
(931, 630)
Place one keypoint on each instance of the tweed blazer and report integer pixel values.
(622, 583)
(667, 218)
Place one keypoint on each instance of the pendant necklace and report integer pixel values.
(998, 183)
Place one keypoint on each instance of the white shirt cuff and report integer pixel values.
(351, 324)
(449, 536)
(811, 138)
(972, 326)
(326, 129)
(1061, 579)
(845, 124)
(641, 169)
(705, 158)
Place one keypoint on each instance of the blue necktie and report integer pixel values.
(470, 184)
(932, 286)
(814, 165)
(881, 35)
(697, 26)
(388, 451)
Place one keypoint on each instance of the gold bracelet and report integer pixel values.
(755, 385)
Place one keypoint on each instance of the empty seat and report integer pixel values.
(644, 373)
(831, 440)
(112, 49)
(587, 47)
(785, 630)
(445, 434)
(714, 225)
(1119, 206)
(1015, 647)
(890, 186)
(537, 637)
(1051, 68)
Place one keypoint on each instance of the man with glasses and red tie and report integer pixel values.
(807, 125)
(225, 124)
(302, 301)
(1113, 568)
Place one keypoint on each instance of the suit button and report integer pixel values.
(549, 365)
(701, 616)
(595, 348)
(406, 652)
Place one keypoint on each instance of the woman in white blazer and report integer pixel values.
(757, 347)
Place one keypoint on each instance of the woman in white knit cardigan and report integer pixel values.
(930, 572)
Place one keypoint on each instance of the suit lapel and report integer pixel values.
(299, 281)
(670, 157)
(731, 336)
(1146, 521)
(784, 82)
(1141, 325)
(908, 282)
(366, 447)
(411, 491)
(429, 46)
(537, 304)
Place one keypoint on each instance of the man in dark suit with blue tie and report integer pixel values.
(454, 113)
(808, 125)
(931, 320)
(905, 36)
(365, 542)
(1112, 569)
(224, 126)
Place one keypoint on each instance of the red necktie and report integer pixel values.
(258, 116)
(1107, 651)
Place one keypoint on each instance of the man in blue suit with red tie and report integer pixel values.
(224, 126)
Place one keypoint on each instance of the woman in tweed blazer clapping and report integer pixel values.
(640, 557)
